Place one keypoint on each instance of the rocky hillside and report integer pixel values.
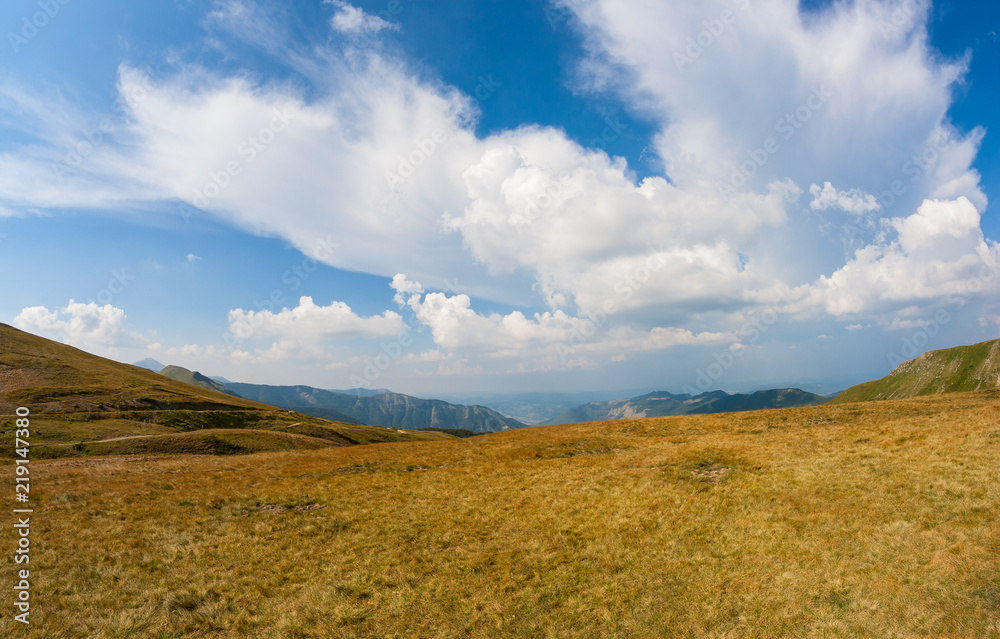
(664, 404)
(949, 370)
(391, 410)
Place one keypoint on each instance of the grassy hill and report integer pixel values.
(664, 404)
(962, 368)
(194, 378)
(77, 399)
(391, 410)
(875, 519)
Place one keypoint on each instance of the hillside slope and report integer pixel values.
(390, 410)
(49, 377)
(949, 370)
(875, 519)
(194, 378)
(76, 398)
(664, 404)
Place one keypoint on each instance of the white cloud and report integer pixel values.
(91, 327)
(351, 19)
(820, 87)
(309, 322)
(190, 351)
(988, 319)
(752, 80)
(455, 325)
(573, 218)
(387, 164)
(938, 251)
(852, 201)
(252, 155)
(404, 288)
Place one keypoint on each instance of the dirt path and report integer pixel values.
(118, 439)
(98, 441)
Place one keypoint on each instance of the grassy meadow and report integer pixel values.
(876, 519)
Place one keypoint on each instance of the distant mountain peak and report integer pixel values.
(181, 374)
(662, 404)
(379, 407)
(150, 364)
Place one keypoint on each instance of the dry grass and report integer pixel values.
(88, 434)
(854, 520)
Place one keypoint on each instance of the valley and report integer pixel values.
(208, 514)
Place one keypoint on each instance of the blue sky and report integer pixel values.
(522, 195)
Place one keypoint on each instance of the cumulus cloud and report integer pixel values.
(405, 288)
(309, 322)
(387, 163)
(749, 75)
(853, 201)
(88, 326)
(454, 324)
(572, 217)
(351, 19)
(938, 251)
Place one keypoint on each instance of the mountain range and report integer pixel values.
(194, 378)
(960, 368)
(391, 410)
(85, 399)
(663, 404)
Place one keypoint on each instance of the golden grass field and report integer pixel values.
(877, 519)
